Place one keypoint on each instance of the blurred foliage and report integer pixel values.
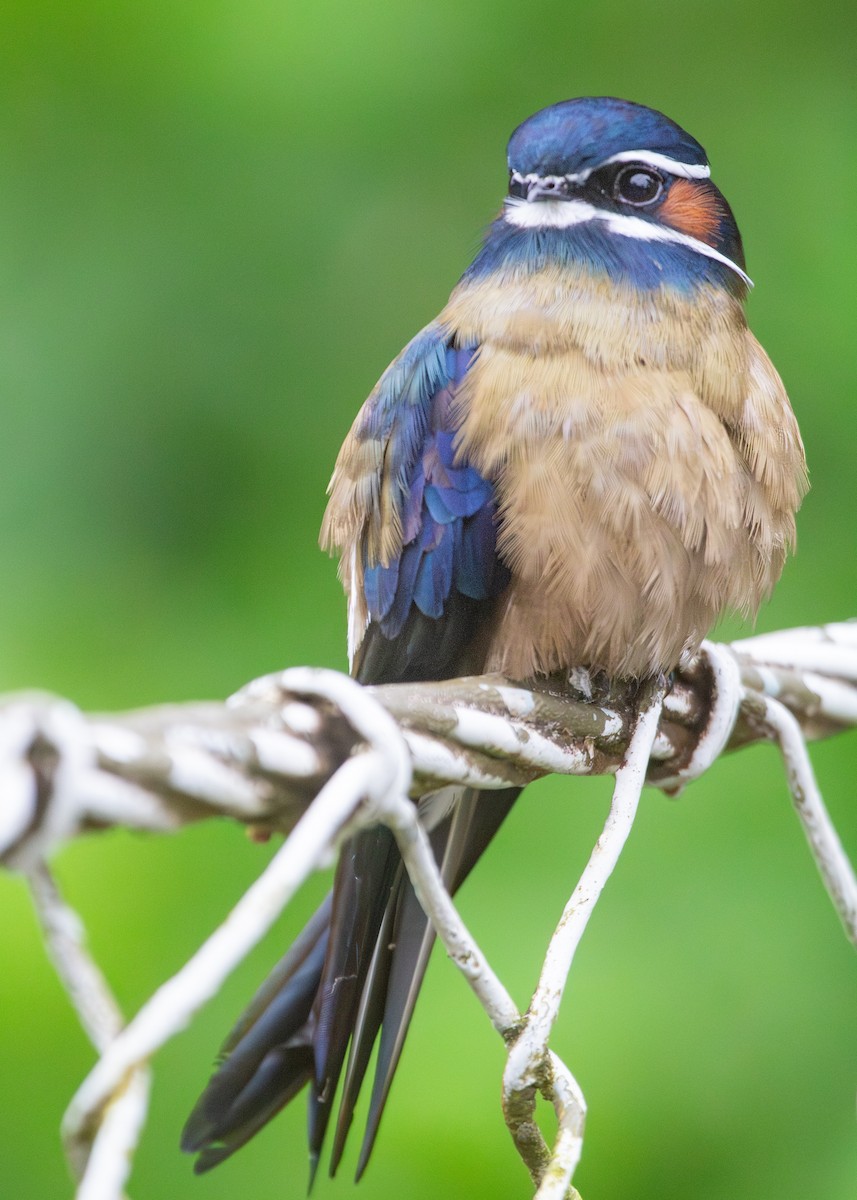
(218, 222)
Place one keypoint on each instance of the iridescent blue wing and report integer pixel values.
(415, 526)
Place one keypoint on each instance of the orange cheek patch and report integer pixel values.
(694, 209)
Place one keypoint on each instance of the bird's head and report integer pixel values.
(622, 187)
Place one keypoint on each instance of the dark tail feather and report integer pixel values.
(361, 895)
(366, 1026)
(414, 940)
(400, 962)
(276, 1020)
(356, 968)
(283, 1072)
(460, 842)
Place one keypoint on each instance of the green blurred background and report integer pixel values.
(218, 222)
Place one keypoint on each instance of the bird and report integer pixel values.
(580, 465)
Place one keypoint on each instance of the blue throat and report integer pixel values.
(644, 265)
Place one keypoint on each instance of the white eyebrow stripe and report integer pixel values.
(563, 214)
(649, 158)
(652, 159)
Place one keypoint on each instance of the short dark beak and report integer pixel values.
(549, 189)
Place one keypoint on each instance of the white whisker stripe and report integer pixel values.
(550, 214)
(563, 214)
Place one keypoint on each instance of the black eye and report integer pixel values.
(637, 185)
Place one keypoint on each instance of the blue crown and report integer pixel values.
(576, 135)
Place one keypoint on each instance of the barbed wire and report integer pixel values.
(312, 755)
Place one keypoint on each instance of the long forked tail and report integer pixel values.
(355, 970)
